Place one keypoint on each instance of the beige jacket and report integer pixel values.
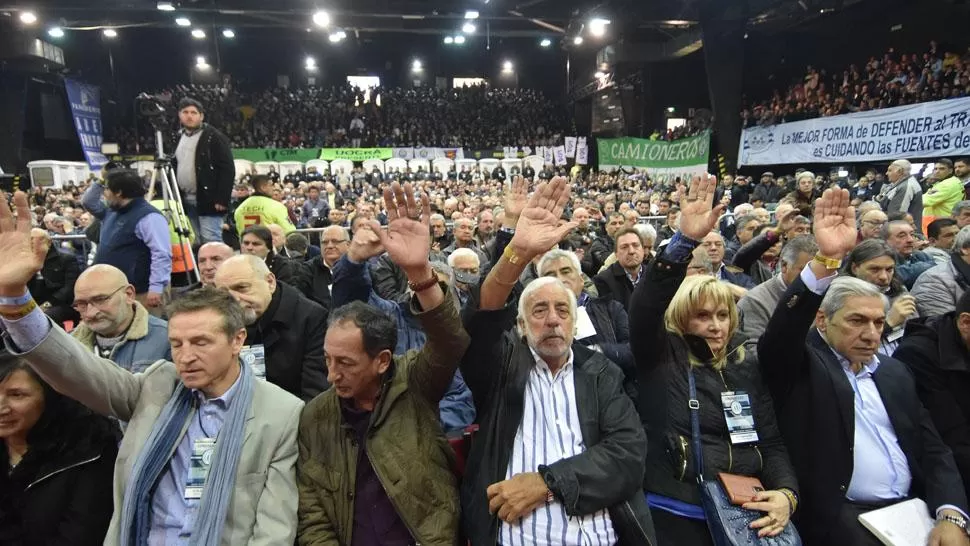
(263, 509)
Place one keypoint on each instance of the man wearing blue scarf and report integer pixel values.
(209, 452)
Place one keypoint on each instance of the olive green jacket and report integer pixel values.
(405, 445)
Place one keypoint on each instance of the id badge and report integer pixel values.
(199, 465)
(739, 417)
(254, 356)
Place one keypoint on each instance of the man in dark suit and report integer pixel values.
(53, 286)
(619, 279)
(855, 429)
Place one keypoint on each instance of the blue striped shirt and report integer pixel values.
(173, 516)
(549, 432)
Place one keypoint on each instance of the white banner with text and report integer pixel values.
(929, 129)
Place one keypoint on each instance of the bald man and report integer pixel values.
(284, 330)
(53, 286)
(113, 324)
(211, 256)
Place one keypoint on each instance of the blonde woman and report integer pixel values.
(683, 327)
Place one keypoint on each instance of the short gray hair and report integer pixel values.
(805, 174)
(534, 286)
(557, 254)
(803, 244)
(646, 231)
(843, 288)
(884, 234)
(960, 207)
(962, 241)
(906, 166)
(463, 252)
(436, 216)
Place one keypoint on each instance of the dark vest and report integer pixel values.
(120, 245)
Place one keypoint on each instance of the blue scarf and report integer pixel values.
(136, 511)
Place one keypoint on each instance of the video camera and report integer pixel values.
(149, 106)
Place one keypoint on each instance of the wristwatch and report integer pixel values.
(959, 521)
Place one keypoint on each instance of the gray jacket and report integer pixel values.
(937, 290)
(904, 196)
(756, 308)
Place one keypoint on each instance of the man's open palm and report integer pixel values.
(20, 260)
(835, 229)
(408, 236)
(538, 229)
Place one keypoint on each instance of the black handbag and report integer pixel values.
(727, 523)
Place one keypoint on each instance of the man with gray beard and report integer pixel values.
(284, 330)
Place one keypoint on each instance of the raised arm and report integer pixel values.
(654, 293)
(408, 243)
(752, 251)
(91, 200)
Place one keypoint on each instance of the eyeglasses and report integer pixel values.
(97, 301)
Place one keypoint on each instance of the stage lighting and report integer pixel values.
(110, 33)
(183, 21)
(468, 28)
(310, 63)
(416, 66)
(449, 40)
(471, 14)
(198, 33)
(546, 42)
(508, 67)
(56, 32)
(459, 39)
(321, 19)
(165, 6)
(597, 26)
(337, 36)
(28, 17)
(578, 40)
(228, 33)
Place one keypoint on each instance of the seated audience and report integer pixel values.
(938, 290)
(619, 279)
(910, 263)
(941, 233)
(53, 286)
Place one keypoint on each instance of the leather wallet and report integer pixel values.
(740, 489)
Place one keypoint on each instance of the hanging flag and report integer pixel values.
(547, 154)
(582, 154)
(570, 146)
(560, 155)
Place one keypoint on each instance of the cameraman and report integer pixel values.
(205, 171)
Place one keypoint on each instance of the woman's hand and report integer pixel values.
(778, 512)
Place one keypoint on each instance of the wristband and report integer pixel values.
(792, 500)
(21, 312)
(830, 263)
(511, 256)
(425, 284)
(16, 302)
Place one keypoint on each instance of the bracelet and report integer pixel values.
(21, 312)
(425, 284)
(17, 301)
(829, 263)
(792, 500)
(511, 256)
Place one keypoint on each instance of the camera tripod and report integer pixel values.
(173, 210)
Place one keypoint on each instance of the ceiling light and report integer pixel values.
(56, 32)
(28, 17)
(416, 66)
(310, 63)
(198, 33)
(597, 26)
(459, 39)
(471, 14)
(449, 40)
(468, 28)
(165, 6)
(546, 42)
(110, 33)
(337, 36)
(228, 33)
(578, 40)
(321, 18)
(200, 60)
(507, 66)
(183, 21)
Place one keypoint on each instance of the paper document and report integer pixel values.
(906, 523)
(584, 325)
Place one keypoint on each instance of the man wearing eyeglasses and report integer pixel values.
(334, 242)
(871, 224)
(113, 324)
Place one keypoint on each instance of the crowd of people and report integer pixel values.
(473, 117)
(895, 79)
(489, 358)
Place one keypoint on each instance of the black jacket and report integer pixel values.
(815, 405)
(608, 474)
(289, 271)
(292, 331)
(662, 358)
(214, 171)
(599, 251)
(613, 338)
(317, 279)
(614, 283)
(770, 193)
(389, 280)
(940, 362)
(55, 283)
(61, 495)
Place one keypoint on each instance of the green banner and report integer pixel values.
(276, 154)
(356, 154)
(654, 154)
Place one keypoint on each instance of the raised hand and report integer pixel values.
(538, 229)
(835, 229)
(408, 235)
(516, 198)
(698, 215)
(366, 242)
(21, 260)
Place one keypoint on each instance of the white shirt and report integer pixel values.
(549, 432)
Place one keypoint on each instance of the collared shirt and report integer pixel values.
(549, 432)
(636, 279)
(173, 516)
